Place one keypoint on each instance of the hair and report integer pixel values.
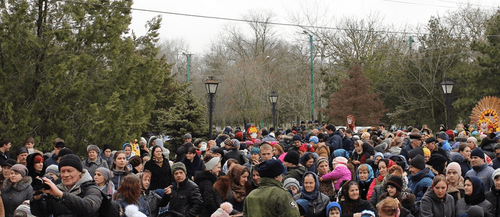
(396, 169)
(497, 146)
(396, 141)
(462, 146)
(265, 146)
(388, 206)
(279, 148)
(29, 139)
(438, 179)
(142, 175)
(5, 141)
(308, 157)
(363, 167)
(129, 190)
(348, 131)
(113, 165)
(153, 150)
(330, 127)
(191, 150)
(207, 157)
(135, 160)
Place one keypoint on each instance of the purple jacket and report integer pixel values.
(339, 174)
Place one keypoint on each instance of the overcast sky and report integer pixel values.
(199, 32)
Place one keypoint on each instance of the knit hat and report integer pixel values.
(427, 152)
(64, 151)
(106, 173)
(21, 150)
(332, 205)
(297, 138)
(53, 169)
(291, 182)
(341, 153)
(270, 168)
(478, 152)
(418, 162)
(292, 157)
(303, 207)
(10, 162)
(188, 136)
(396, 182)
(93, 147)
(105, 147)
(442, 135)
(255, 151)
(23, 210)
(211, 163)
(71, 160)
(21, 169)
(430, 140)
(495, 173)
(38, 159)
(314, 139)
(320, 160)
(178, 166)
(454, 166)
(341, 160)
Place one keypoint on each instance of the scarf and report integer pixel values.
(239, 192)
(459, 187)
(311, 196)
(158, 161)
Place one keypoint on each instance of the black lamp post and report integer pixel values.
(447, 86)
(211, 87)
(273, 97)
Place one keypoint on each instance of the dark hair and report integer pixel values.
(345, 193)
(5, 141)
(129, 190)
(113, 165)
(308, 157)
(29, 139)
(462, 146)
(437, 179)
(330, 127)
(191, 150)
(497, 146)
(348, 131)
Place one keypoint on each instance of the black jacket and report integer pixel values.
(494, 197)
(192, 167)
(359, 206)
(161, 177)
(235, 154)
(185, 199)
(206, 180)
(181, 151)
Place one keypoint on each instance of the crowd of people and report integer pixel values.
(308, 171)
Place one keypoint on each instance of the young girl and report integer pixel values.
(119, 168)
(339, 174)
(129, 192)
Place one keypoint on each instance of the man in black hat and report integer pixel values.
(270, 198)
(58, 146)
(21, 155)
(415, 140)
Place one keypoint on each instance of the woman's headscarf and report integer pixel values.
(239, 191)
(478, 189)
(109, 188)
(131, 151)
(370, 174)
(310, 196)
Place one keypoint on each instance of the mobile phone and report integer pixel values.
(45, 186)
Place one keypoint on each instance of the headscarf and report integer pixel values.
(109, 188)
(370, 174)
(310, 196)
(478, 189)
(239, 191)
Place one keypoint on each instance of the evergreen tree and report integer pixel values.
(355, 97)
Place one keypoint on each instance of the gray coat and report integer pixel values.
(83, 199)
(14, 194)
(463, 207)
(431, 205)
(91, 166)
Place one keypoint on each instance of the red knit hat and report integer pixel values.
(38, 159)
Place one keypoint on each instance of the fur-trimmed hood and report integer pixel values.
(223, 185)
(19, 186)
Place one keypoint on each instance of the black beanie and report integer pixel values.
(64, 151)
(270, 168)
(396, 182)
(107, 147)
(418, 162)
(292, 157)
(72, 161)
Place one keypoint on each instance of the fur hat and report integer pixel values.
(270, 168)
(178, 166)
(72, 161)
(292, 157)
(418, 162)
(21, 169)
(93, 147)
(478, 152)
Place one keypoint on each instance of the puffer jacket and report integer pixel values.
(206, 180)
(493, 197)
(431, 205)
(91, 166)
(338, 175)
(14, 194)
(184, 199)
(83, 199)
(420, 182)
(118, 177)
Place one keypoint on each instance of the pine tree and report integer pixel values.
(355, 97)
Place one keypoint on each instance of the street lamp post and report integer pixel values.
(188, 66)
(312, 74)
(211, 86)
(273, 97)
(447, 86)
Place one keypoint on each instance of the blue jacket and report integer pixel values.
(420, 182)
(347, 144)
(335, 141)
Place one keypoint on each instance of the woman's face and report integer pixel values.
(294, 189)
(471, 145)
(120, 161)
(440, 189)
(391, 190)
(354, 192)
(310, 162)
(276, 152)
(377, 159)
(38, 166)
(334, 212)
(216, 169)
(358, 148)
(466, 153)
(15, 177)
(256, 177)
(139, 168)
(309, 184)
(146, 179)
(323, 168)
(452, 176)
(382, 168)
(158, 153)
(128, 150)
(363, 174)
(255, 157)
(92, 155)
(244, 178)
(190, 156)
(468, 187)
(99, 178)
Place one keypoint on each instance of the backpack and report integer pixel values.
(109, 208)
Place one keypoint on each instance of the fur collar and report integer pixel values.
(19, 186)
(223, 185)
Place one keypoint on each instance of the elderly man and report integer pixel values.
(479, 168)
(415, 141)
(270, 198)
(77, 195)
(184, 196)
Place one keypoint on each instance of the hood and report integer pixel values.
(19, 186)
(30, 165)
(426, 172)
(204, 175)
(433, 196)
(77, 189)
(456, 157)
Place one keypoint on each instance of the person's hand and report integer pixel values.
(320, 179)
(54, 191)
(168, 190)
(355, 162)
(255, 162)
(356, 214)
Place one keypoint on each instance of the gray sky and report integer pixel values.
(200, 32)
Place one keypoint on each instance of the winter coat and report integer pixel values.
(295, 172)
(420, 182)
(181, 151)
(493, 197)
(457, 192)
(13, 195)
(347, 144)
(30, 164)
(192, 167)
(91, 166)
(317, 207)
(161, 177)
(83, 199)
(338, 175)
(270, 199)
(118, 177)
(335, 141)
(205, 180)
(143, 206)
(496, 163)
(322, 151)
(222, 187)
(109, 160)
(431, 205)
(52, 160)
(235, 154)
(359, 206)
(462, 207)
(483, 172)
(185, 199)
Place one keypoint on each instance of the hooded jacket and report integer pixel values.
(335, 141)
(476, 198)
(431, 205)
(205, 180)
(420, 182)
(161, 177)
(30, 164)
(13, 195)
(317, 200)
(338, 175)
(83, 199)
